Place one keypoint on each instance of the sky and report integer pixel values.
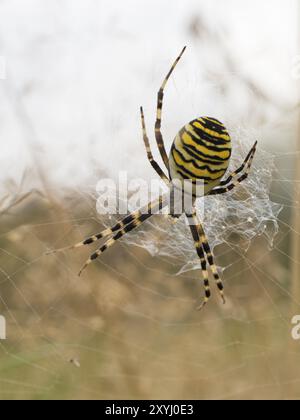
(78, 70)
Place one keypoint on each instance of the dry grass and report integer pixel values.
(130, 324)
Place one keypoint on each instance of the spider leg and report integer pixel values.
(151, 208)
(153, 163)
(241, 168)
(160, 97)
(231, 182)
(201, 255)
(195, 224)
(136, 222)
(105, 233)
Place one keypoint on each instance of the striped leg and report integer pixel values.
(151, 208)
(242, 167)
(160, 97)
(231, 182)
(105, 233)
(153, 163)
(201, 255)
(136, 222)
(208, 253)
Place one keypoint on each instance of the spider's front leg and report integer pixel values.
(110, 242)
(120, 229)
(137, 221)
(121, 224)
(203, 248)
(202, 258)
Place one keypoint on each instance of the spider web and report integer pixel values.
(235, 219)
(128, 328)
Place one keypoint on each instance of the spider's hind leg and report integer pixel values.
(160, 97)
(234, 180)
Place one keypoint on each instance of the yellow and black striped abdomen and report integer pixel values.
(201, 152)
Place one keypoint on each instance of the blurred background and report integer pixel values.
(73, 75)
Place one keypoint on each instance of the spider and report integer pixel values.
(201, 152)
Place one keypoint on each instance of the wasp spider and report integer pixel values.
(200, 152)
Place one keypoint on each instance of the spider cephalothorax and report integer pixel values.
(200, 153)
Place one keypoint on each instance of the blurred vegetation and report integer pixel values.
(128, 328)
